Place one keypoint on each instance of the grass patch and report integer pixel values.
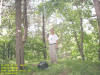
(69, 67)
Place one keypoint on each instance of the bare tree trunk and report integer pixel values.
(97, 8)
(44, 41)
(43, 34)
(25, 31)
(18, 33)
(19, 40)
(82, 38)
(25, 23)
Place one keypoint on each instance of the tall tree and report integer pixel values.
(18, 32)
(25, 23)
(43, 32)
(20, 41)
(82, 38)
(97, 9)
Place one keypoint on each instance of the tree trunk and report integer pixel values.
(19, 40)
(97, 9)
(25, 23)
(25, 31)
(82, 38)
(80, 44)
(43, 33)
(18, 33)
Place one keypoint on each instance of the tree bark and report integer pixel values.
(80, 44)
(18, 32)
(25, 23)
(82, 38)
(20, 42)
(43, 34)
(97, 9)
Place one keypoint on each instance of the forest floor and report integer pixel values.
(64, 67)
(69, 67)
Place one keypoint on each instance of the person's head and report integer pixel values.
(52, 30)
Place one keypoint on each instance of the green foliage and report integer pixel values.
(7, 48)
(70, 12)
(68, 67)
(34, 48)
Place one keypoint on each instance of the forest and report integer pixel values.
(25, 26)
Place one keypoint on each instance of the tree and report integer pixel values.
(18, 32)
(82, 38)
(25, 23)
(20, 41)
(97, 8)
(43, 32)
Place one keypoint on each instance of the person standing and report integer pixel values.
(53, 46)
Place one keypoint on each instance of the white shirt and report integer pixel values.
(52, 38)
